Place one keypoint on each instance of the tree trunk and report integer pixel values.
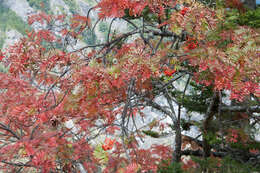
(207, 123)
(178, 142)
(249, 3)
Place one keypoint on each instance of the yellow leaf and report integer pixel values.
(177, 30)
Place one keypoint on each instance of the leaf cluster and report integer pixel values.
(250, 18)
(197, 100)
(151, 133)
(226, 164)
(167, 167)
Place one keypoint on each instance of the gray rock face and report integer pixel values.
(84, 8)
(20, 7)
(57, 5)
(23, 10)
(12, 37)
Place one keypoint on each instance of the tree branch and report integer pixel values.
(240, 109)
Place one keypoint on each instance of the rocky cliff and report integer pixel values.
(14, 15)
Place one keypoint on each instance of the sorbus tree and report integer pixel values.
(56, 101)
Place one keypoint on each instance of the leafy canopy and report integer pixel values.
(57, 101)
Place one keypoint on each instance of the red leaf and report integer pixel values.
(112, 129)
(108, 145)
(1, 55)
(43, 118)
(132, 168)
(192, 46)
(184, 10)
(169, 72)
(29, 149)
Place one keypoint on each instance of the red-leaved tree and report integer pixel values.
(56, 102)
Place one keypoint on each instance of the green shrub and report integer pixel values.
(250, 18)
(227, 165)
(165, 167)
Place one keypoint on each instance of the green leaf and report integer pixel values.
(100, 154)
(151, 133)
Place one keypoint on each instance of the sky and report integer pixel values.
(257, 1)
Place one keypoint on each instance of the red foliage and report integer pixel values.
(233, 136)
(184, 10)
(169, 72)
(191, 44)
(54, 103)
(1, 55)
(108, 145)
(117, 7)
(189, 164)
(132, 168)
(40, 17)
(254, 151)
(235, 4)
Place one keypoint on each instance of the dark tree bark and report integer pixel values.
(207, 123)
(237, 108)
(178, 140)
(249, 3)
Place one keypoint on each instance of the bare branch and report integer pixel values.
(241, 108)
